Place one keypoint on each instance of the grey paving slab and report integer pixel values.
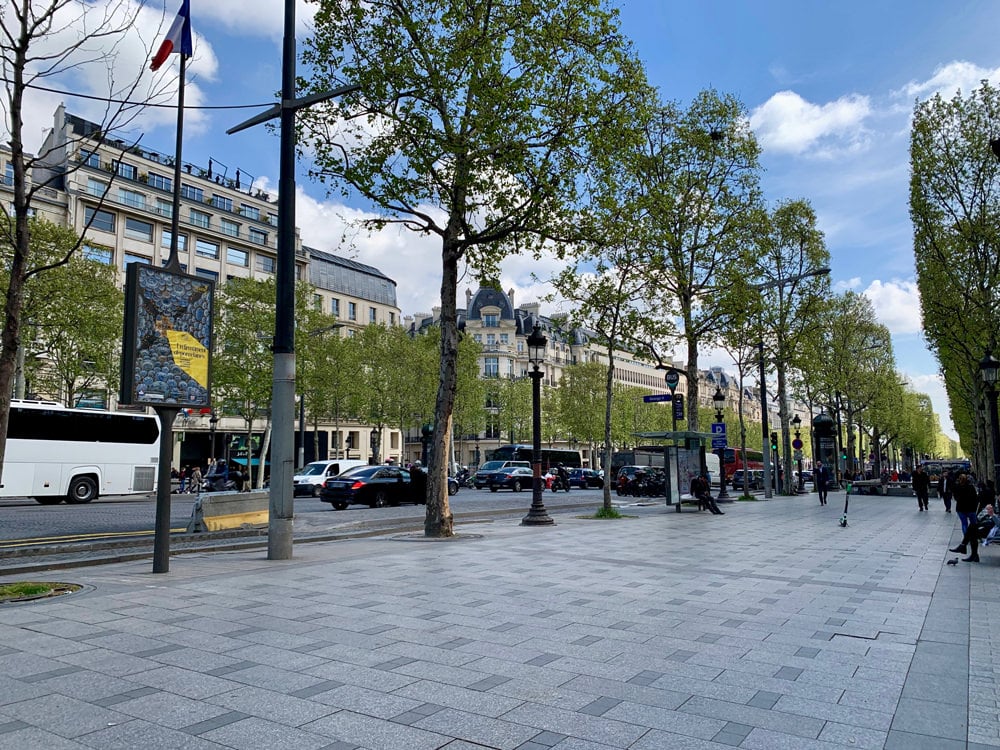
(581, 636)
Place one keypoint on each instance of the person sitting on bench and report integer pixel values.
(700, 490)
(987, 527)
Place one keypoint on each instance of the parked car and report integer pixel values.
(515, 478)
(483, 475)
(584, 478)
(375, 486)
(752, 479)
(312, 476)
(627, 474)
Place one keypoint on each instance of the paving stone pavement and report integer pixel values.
(770, 627)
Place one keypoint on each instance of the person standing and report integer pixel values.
(194, 485)
(944, 486)
(921, 487)
(822, 479)
(966, 501)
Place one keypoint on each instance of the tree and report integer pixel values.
(701, 197)
(35, 50)
(467, 131)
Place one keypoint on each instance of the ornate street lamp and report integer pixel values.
(989, 368)
(797, 423)
(536, 356)
(719, 399)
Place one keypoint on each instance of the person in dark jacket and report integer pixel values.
(976, 531)
(944, 487)
(921, 487)
(822, 481)
(966, 501)
(701, 490)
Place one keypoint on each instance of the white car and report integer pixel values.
(310, 479)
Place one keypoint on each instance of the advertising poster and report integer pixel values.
(167, 349)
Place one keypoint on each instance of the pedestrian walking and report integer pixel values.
(822, 481)
(195, 484)
(944, 487)
(966, 501)
(185, 472)
(921, 484)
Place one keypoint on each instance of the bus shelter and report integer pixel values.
(683, 459)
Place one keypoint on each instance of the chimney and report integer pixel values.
(510, 296)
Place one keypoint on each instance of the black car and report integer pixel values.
(375, 486)
(515, 478)
(584, 478)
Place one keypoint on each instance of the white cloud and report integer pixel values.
(253, 17)
(787, 123)
(948, 80)
(897, 305)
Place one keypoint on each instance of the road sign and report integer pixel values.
(797, 444)
(679, 409)
(719, 442)
(673, 378)
(797, 456)
(719, 428)
(657, 397)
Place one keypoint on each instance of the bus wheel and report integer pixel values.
(48, 500)
(81, 490)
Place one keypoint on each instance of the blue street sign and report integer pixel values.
(719, 442)
(718, 428)
(657, 397)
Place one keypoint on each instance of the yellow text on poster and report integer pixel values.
(189, 355)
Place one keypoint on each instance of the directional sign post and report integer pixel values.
(657, 397)
(718, 435)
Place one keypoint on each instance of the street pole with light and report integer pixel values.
(719, 399)
(212, 422)
(797, 445)
(536, 356)
(989, 367)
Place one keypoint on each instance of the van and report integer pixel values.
(310, 479)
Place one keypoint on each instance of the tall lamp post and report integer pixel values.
(989, 367)
(797, 445)
(536, 356)
(719, 399)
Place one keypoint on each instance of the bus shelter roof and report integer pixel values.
(680, 436)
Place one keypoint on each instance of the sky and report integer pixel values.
(830, 88)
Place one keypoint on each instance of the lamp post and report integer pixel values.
(719, 399)
(797, 445)
(989, 367)
(373, 444)
(536, 356)
(212, 422)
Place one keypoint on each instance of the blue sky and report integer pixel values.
(830, 88)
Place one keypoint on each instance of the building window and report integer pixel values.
(8, 174)
(206, 249)
(91, 158)
(352, 311)
(520, 347)
(491, 320)
(130, 259)
(206, 274)
(335, 307)
(491, 367)
(251, 212)
(164, 208)
(229, 227)
(372, 313)
(477, 337)
(265, 264)
(181, 241)
(96, 188)
(103, 220)
(237, 257)
(160, 182)
(184, 266)
(257, 236)
(128, 171)
(136, 229)
(97, 253)
(318, 302)
(200, 218)
(504, 338)
(132, 198)
(192, 193)
(221, 201)
(491, 339)
(392, 318)
(272, 219)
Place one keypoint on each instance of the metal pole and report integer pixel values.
(281, 506)
(302, 430)
(161, 529)
(537, 516)
(765, 432)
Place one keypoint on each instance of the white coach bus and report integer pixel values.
(55, 453)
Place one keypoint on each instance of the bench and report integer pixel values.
(875, 487)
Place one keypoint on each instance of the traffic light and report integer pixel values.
(774, 441)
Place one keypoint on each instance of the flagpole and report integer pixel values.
(167, 414)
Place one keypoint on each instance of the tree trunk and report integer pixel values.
(786, 438)
(692, 384)
(439, 521)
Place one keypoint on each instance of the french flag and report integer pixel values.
(178, 37)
